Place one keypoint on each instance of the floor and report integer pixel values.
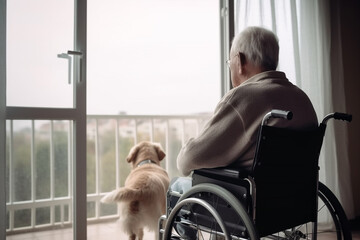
(106, 231)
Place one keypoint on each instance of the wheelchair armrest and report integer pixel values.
(233, 180)
(224, 172)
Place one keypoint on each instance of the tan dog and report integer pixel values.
(143, 198)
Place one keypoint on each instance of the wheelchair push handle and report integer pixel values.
(281, 114)
(343, 116)
(276, 113)
(338, 116)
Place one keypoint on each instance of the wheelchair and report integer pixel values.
(281, 197)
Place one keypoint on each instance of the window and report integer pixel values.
(153, 57)
(43, 149)
(36, 75)
(157, 60)
(153, 74)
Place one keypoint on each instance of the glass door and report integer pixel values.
(43, 117)
(39, 33)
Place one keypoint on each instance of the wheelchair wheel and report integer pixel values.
(340, 222)
(332, 221)
(208, 211)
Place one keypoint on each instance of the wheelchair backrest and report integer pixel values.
(285, 172)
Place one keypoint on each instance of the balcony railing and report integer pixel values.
(39, 163)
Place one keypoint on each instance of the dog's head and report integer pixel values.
(145, 151)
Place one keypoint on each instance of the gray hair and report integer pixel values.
(259, 45)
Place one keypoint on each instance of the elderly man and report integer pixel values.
(229, 138)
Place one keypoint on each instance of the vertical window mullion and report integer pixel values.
(3, 122)
(227, 28)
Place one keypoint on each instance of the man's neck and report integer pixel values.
(250, 71)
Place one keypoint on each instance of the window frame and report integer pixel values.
(2, 118)
(77, 115)
(227, 31)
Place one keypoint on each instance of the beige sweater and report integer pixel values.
(229, 138)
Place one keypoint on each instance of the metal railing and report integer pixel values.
(39, 163)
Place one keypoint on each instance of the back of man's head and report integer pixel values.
(259, 45)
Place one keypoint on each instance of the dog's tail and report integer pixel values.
(123, 194)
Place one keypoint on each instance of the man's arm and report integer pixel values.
(219, 144)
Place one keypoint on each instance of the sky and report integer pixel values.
(143, 57)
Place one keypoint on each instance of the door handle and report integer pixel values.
(68, 56)
(75, 53)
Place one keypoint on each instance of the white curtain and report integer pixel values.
(304, 28)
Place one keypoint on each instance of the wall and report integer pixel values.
(350, 36)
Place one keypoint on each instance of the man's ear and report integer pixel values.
(242, 59)
(241, 63)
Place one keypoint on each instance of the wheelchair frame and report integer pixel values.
(234, 199)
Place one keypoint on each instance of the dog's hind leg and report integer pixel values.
(140, 234)
(132, 237)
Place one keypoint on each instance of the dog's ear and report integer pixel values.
(161, 154)
(132, 155)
